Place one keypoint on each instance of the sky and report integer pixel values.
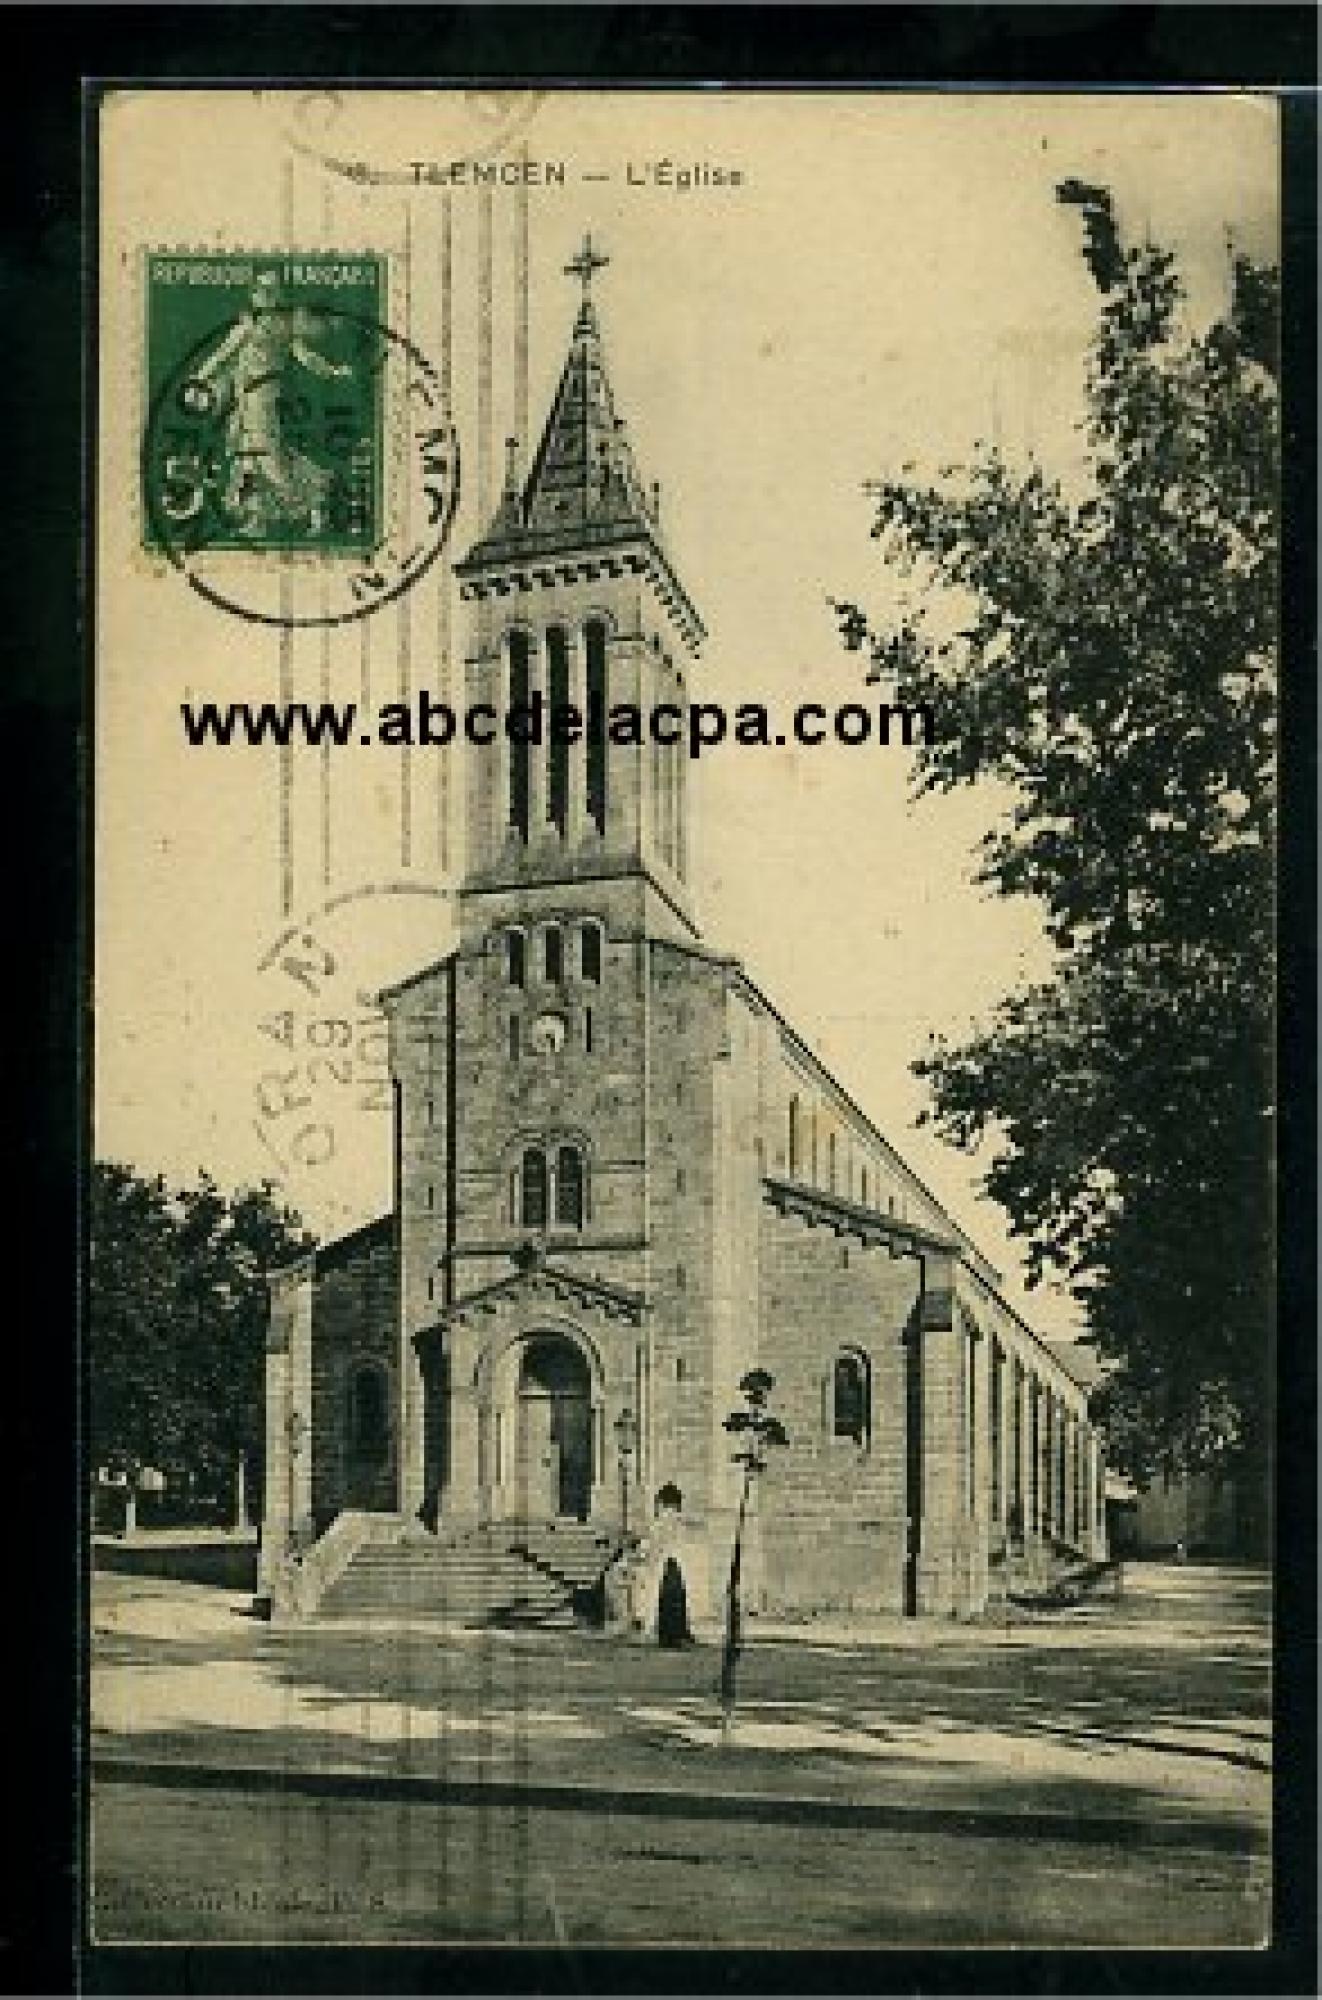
(890, 281)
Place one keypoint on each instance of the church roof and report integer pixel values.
(797, 1198)
(584, 485)
(583, 493)
(337, 1250)
(1081, 1361)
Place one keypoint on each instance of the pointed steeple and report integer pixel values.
(583, 487)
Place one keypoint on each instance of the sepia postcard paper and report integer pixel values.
(603, 604)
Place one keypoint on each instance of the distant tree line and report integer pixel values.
(176, 1327)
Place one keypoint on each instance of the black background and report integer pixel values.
(54, 58)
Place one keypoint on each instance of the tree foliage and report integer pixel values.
(177, 1319)
(1104, 647)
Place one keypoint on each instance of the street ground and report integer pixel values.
(1101, 1776)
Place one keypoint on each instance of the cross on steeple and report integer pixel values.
(585, 265)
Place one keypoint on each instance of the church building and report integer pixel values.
(622, 1181)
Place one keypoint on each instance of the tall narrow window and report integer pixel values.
(595, 644)
(830, 1162)
(520, 682)
(516, 958)
(557, 746)
(850, 1398)
(534, 1189)
(587, 1031)
(553, 954)
(514, 1038)
(863, 1187)
(569, 1188)
(590, 952)
(794, 1138)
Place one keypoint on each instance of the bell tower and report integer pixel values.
(575, 607)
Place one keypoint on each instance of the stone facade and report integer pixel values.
(332, 1388)
(623, 1180)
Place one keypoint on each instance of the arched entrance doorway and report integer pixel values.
(553, 1437)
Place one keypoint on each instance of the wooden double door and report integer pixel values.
(553, 1435)
(553, 1460)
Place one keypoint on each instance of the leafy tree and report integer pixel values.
(756, 1430)
(177, 1322)
(1104, 647)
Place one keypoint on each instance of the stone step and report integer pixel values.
(475, 1581)
(502, 1572)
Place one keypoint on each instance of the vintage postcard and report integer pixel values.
(684, 757)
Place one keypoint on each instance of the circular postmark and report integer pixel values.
(322, 1101)
(339, 132)
(300, 465)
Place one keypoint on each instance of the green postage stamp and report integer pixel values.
(265, 403)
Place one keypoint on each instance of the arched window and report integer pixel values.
(516, 958)
(369, 1421)
(520, 682)
(533, 1189)
(851, 1398)
(553, 954)
(594, 637)
(557, 749)
(589, 945)
(794, 1136)
(569, 1188)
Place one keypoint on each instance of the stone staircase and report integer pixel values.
(1044, 1577)
(575, 1554)
(507, 1574)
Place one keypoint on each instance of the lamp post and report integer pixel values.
(295, 1430)
(625, 1431)
(757, 1430)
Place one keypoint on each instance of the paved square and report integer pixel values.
(880, 1784)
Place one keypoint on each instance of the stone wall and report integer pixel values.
(832, 1512)
(355, 1312)
(684, 1035)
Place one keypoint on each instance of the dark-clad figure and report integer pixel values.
(672, 1611)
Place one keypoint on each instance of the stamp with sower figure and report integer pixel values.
(287, 420)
